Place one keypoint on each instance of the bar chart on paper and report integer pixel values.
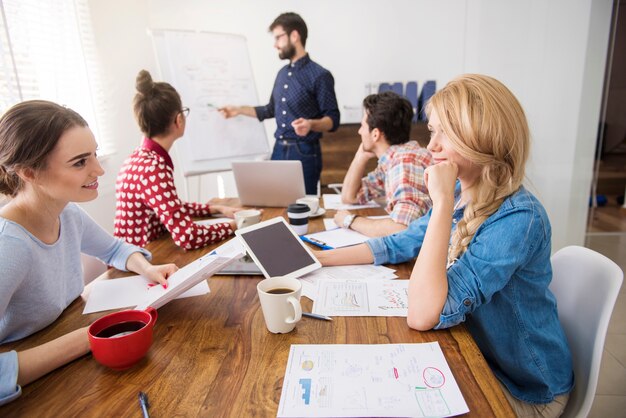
(369, 380)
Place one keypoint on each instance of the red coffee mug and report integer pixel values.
(121, 339)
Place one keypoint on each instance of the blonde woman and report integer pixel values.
(483, 250)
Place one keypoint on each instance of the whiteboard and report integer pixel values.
(210, 70)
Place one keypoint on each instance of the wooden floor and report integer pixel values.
(609, 218)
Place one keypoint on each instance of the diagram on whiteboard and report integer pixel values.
(210, 70)
(369, 380)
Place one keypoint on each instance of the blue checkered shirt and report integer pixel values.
(302, 89)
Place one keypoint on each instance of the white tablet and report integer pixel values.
(277, 250)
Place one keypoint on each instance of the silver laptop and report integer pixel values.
(268, 183)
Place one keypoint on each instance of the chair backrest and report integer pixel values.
(92, 267)
(428, 89)
(586, 285)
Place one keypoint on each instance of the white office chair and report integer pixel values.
(586, 285)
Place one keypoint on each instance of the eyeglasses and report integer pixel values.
(185, 111)
(277, 37)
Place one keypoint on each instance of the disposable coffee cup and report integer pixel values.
(298, 214)
(280, 302)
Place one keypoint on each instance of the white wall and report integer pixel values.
(550, 53)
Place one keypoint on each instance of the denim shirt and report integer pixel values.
(499, 288)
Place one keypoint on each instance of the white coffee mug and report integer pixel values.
(247, 217)
(280, 302)
(312, 202)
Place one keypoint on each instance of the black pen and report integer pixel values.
(317, 316)
(143, 402)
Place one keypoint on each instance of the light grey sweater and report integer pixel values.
(38, 281)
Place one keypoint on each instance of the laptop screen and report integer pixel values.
(277, 249)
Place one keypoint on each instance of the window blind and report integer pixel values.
(47, 51)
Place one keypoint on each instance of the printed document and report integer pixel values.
(128, 292)
(187, 281)
(361, 298)
(333, 201)
(364, 380)
(352, 272)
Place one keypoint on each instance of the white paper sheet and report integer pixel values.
(361, 298)
(117, 293)
(333, 201)
(384, 380)
(329, 223)
(337, 238)
(353, 272)
(127, 292)
(213, 221)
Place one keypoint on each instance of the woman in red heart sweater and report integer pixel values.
(147, 202)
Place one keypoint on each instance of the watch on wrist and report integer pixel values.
(347, 221)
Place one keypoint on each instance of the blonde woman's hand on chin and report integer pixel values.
(440, 180)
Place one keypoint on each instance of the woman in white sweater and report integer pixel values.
(47, 162)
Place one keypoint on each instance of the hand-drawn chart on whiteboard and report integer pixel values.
(384, 380)
(210, 70)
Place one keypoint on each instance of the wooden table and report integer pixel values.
(213, 356)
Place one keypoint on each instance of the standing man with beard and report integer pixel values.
(303, 101)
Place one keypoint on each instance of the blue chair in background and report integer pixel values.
(428, 89)
(410, 92)
(397, 88)
(384, 87)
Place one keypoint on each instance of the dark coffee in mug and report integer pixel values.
(121, 329)
(280, 291)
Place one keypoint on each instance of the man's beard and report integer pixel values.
(287, 52)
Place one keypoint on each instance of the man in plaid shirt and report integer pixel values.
(399, 176)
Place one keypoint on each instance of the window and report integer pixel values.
(47, 51)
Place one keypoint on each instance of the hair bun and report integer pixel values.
(144, 83)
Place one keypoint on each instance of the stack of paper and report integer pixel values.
(188, 281)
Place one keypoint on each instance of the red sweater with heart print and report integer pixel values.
(148, 205)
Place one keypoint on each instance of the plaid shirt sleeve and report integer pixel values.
(372, 186)
(407, 196)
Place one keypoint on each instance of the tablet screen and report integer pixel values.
(277, 249)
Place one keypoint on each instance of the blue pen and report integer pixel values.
(143, 402)
(316, 242)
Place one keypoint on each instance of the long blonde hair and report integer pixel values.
(487, 126)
